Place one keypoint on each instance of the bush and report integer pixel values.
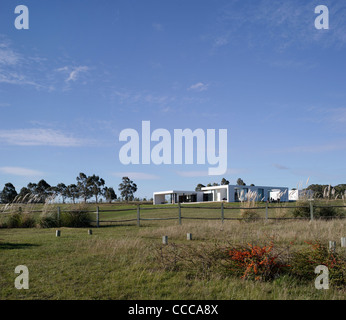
(326, 212)
(78, 217)
(48, 221)
(249, 215)
(303, 211)
(304, 262)
(20, 220)
(27, 221)
(14, 220)
(255, 262)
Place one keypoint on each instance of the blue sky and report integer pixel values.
(86, 70)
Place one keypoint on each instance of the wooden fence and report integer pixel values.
(177, 213)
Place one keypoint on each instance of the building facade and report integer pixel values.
(227, 193)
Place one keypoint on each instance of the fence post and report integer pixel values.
(97, 217)
(222, 213)
(267, 211)
(311, 211)
(58, 216)
(332, 246)
(179, 217)
(165, 240)
(343, 242)
(138, 216)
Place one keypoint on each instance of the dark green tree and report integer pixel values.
(240, 182)
(127, 188)
(24, 195)
(199, 187)
(109, 194)
(8, 193)
(83, 184)
(224, 182)
(96, 184)
(61, 190)
(72, 192)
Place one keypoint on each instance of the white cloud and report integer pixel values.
(73, 72)
(39, 137)
(200, 86)
(8, 56)
(136, 175)
(19, 171)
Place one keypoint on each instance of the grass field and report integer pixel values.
(123, 261)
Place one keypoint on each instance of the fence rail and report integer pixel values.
(180, 216)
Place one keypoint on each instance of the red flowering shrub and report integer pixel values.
(255, 262)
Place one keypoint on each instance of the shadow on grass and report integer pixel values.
(11, 246)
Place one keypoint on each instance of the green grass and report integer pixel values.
(122, 261)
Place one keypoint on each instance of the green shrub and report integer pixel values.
(249, 215)
(302, 210)
(76, 218)
(20, 220)
(304, 262)
(48, 221)
(327, 212)
(27, 221)
(14, 220)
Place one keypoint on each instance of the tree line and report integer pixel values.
(85, 188)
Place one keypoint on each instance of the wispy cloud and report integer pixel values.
(136, 175)
(280, 24)
(19, 171)
(40, 137)
(73, 73)
(280, 167)
(132, 97)
(199, 86)
(8, 56)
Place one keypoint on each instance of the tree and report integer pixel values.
(43, 190)
(72, 192)
(127, 188)
(84, 186)
(199, 187)
(109, 194)
(24, 195)
(224, 182)
(96, 185)
(40, 190)
(9, 193)
(317, 189)
(240, 182)
(61, 189)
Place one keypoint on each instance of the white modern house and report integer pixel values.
(227, 193)
(295, 195)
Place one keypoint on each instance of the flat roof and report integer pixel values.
(174, 191)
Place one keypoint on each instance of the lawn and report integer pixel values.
(128, 262)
